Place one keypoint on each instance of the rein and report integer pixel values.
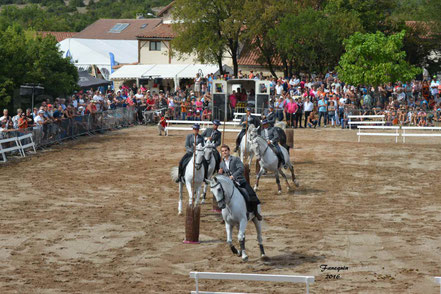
(223, 193)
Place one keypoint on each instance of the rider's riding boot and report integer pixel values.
(236, 149)
(179, 176)
(256, 212)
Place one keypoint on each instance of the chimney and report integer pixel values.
(139, 16)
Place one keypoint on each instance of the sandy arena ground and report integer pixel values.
(99, 215)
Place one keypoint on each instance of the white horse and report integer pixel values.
(269, 162)
(245, 146)
(209, 149)
(234, 213)
(196, 162)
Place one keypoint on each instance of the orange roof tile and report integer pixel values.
(60, 36)
(163, 31)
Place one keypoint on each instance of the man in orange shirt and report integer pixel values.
(162, 124)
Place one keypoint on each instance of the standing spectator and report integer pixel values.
(279, 88)
(279, 105)
(15, 118)
(197, 85)
(30, 117)
(290, 110)
(5, 118)
(22, 122)
(308, 107)
(323, 110)
(162, 124)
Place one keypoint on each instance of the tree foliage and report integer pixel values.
(219, 24)
(375, 59)
(27, 58)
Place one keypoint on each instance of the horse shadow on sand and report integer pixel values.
(290, 260)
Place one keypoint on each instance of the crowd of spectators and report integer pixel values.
(301, 101)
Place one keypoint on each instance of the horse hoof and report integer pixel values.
(255, 188)
(203, 201)
(245, 258)
(180, 213)
(280, 192)
(296, 183)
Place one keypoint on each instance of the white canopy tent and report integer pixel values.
(88, 52)
(164, 71)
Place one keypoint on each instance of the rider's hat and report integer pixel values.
(248, 108)
(264, 122)
(216, 122)
(271, 106)
(196, 127)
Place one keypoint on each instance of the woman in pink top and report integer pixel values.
(290, 109)
(233, 100)
(199, 105)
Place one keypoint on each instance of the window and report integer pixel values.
(155, 46)
(118, 28)
(144, 26)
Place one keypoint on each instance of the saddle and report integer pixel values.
(244, 193)
(279, 154)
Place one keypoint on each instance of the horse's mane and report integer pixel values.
(261, 139)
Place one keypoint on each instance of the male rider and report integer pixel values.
(233, 167)
(213, 135)
(245, 122)
(270, 116)
(189, 146)
(272, 137)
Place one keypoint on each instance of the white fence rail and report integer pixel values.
(366, 122)
(10, 141)
(438, 281)
(172, 125)
(421, 132)
(247, 277)
(392, 128)
(425, 134)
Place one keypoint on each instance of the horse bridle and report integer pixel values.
(267, 146)
(223, 193)
(198, 165)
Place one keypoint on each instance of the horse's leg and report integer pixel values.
(241, 237)
(190, 192)
(229, 229)
(198, 194)
(204, 194)
(276, 172)
(291, 168)
(257, 223)
(286, 179)
(256, 186)
(180, 199)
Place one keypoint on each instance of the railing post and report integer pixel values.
(197, 282)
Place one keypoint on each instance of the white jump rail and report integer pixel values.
(396, 134)
(239, 114)
(404, 134)
(247, 277)
(438, 281)
(10, 149)
(28, 145)
(369, 122)
(167, 129)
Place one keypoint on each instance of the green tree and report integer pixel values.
(375, 59)
(26, 58)
(312, 40)
(222, 21)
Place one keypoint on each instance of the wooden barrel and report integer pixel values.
(289, 137)
(192, 222)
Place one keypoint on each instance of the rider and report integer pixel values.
(272, 137)
(214, 136)
(270, 116)
(245, 122)
(189, 146)
(233, 167)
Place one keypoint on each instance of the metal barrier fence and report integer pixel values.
(70, 128)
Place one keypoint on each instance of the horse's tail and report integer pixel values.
(174, 173)
(281, 124)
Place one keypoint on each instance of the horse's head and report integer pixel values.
(199, 156)
(254, 147)
(218, 192)
(208, 150)
(253, 133)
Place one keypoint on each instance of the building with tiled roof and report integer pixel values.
(60, 36)
(118, 29)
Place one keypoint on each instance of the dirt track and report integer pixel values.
(100, 215)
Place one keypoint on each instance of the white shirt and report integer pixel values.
(38, 121)
(139, 96)
(308, 106)
(15, 121)
(279, 89)
(227, 162)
